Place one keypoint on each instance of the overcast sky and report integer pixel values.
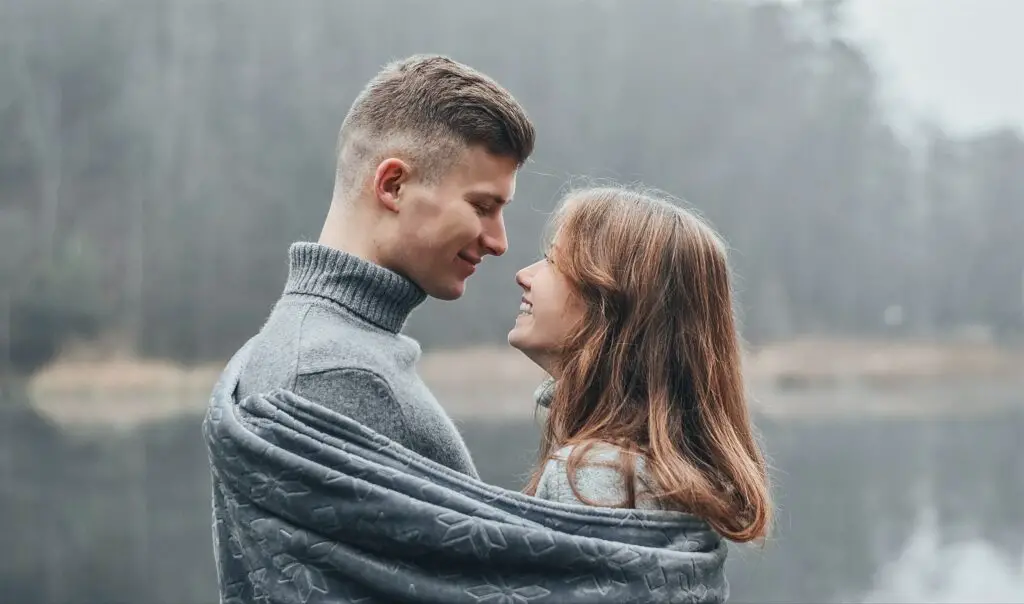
(958, 61)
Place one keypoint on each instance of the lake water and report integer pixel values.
(920, 508)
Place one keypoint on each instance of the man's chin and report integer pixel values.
(448, 292)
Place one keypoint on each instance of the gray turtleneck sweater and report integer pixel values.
(334, 337)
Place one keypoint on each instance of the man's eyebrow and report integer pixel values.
(497, 199)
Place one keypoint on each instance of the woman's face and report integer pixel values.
(549, 309)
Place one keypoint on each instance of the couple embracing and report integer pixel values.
(338, 477)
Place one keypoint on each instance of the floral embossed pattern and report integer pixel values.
(310, 506)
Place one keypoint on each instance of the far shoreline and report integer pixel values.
(807, 377)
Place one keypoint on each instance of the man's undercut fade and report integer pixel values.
(427, 109)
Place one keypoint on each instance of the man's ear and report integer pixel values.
(391, 176)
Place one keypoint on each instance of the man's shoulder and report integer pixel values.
(307, 339)
(332, 341)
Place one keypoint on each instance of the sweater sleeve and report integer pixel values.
(357, 393)
(367, 398)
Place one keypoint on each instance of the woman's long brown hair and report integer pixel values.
(654, 365)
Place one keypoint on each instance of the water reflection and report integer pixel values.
(916, 509)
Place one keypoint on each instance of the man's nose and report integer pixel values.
(494, 238)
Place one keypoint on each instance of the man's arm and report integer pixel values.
(359, 394)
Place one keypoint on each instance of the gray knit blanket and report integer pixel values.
(310, 506)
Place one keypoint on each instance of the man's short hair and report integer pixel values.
(429, 108)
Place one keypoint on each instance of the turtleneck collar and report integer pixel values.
(372, 292)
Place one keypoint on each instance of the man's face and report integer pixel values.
(445, 229)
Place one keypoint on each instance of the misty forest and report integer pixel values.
(159, 156)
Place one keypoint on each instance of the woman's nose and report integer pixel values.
(522, 279)
(525, 275)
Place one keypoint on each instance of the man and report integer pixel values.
(427, 161)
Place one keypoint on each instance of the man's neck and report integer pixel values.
(347, 230)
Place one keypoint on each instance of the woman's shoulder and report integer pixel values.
(598, 479)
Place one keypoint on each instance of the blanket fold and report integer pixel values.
(311, 506)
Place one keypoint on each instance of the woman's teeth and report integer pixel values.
(525, 309)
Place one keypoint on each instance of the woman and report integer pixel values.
(630, 312)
